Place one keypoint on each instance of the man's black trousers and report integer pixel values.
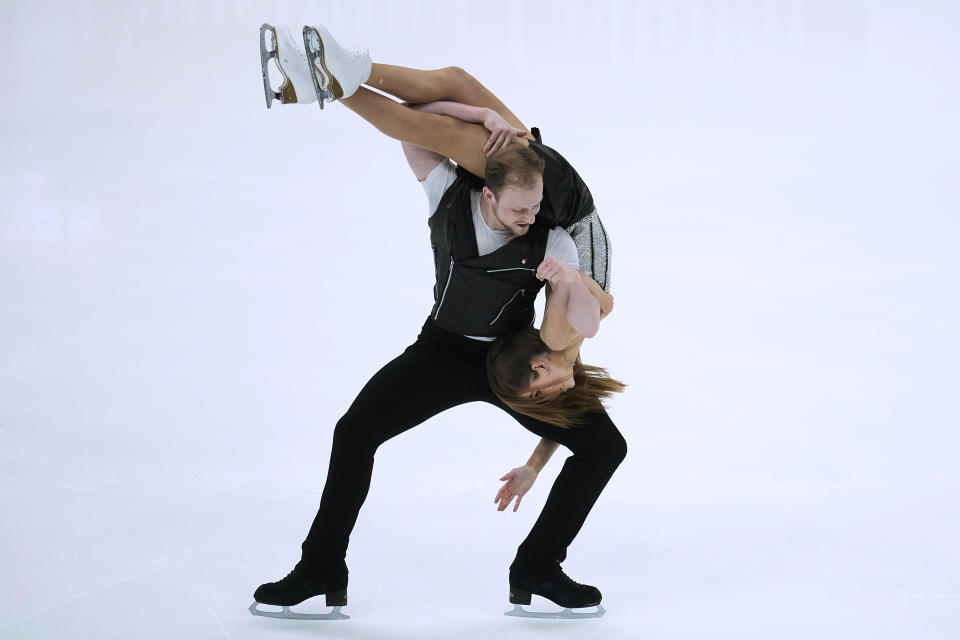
(439, 371)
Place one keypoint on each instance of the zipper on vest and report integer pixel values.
(445, 287)
(511, 269)
(507, 305)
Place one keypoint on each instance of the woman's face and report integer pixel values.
(552, 375)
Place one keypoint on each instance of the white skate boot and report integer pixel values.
(337, 72)
(297, 84)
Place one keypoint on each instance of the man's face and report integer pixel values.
(516, 209)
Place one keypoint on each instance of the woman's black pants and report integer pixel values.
(439, 371)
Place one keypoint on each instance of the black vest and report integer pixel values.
(490, 295)
(493, 295)
(566, 198)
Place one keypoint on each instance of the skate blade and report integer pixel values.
(287, 93)
(313, 45)
(266, 54)
(287, 614)
(567, 614)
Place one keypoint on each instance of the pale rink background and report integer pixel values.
(193, 289)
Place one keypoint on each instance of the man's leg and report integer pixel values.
(423, 381)
(413, 387)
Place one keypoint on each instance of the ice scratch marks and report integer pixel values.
(76, 544)
(13, 368)
(90, 478)
(912, 596)
(217, 563)
(903, 596)
(206, 603)
(139, 575)
(708, 561)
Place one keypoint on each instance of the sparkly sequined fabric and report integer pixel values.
(593, 247)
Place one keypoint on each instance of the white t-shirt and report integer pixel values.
(559, 243)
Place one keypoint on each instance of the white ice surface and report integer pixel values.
(184, 314)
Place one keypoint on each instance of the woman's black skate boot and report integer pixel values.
(555, 586)
(300, 585)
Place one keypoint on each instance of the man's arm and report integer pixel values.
(423, 161)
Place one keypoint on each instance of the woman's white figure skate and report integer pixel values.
(337, 72)
(278, 44)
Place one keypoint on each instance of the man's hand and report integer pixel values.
(501, 132)
(556, 272)
(518, 482)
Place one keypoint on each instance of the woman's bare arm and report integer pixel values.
(604, 299)
(570, 305)
(556, 330)
(518, 481)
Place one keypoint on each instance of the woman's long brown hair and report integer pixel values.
(509, 374)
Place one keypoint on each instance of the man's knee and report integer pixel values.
(352, 432)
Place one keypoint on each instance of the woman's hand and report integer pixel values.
(501, 132)
(518, 482)
(556, 272)
(603, 298)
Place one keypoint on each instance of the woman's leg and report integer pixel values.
(418, 86)
(447, 136)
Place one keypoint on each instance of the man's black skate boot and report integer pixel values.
(555, 586)
(300, 585)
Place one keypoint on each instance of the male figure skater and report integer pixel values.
(490, 242)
